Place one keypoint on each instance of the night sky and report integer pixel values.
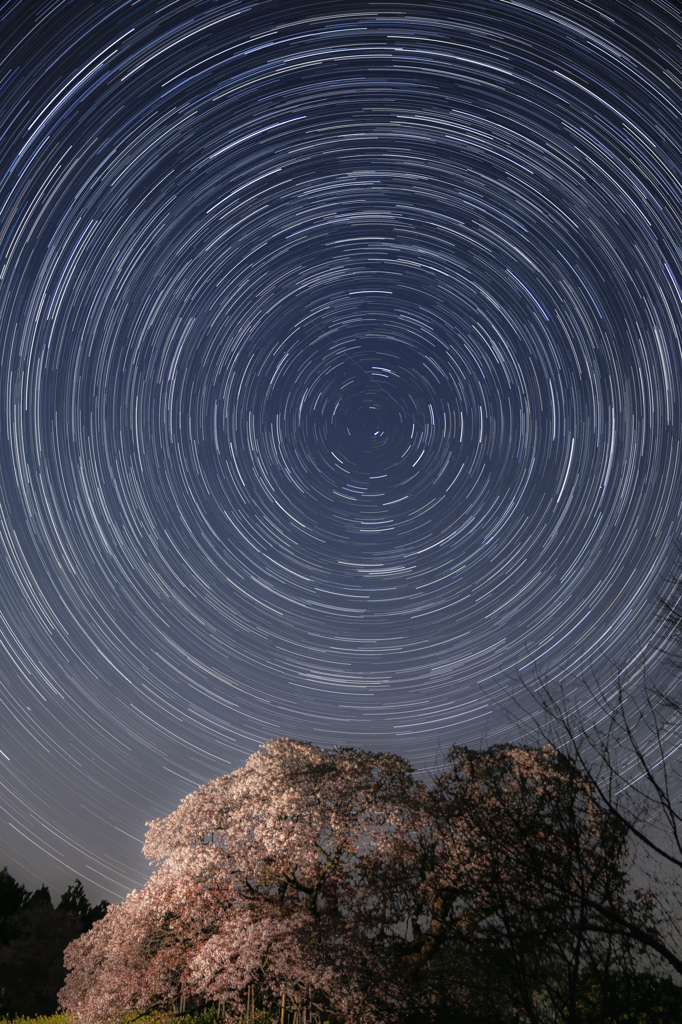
(340, 385)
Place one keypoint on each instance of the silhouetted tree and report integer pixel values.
(33, 937)
(13, 897)
(623, 732)
(74, 901)
(12, 894)
(40, 898)
(624, 736)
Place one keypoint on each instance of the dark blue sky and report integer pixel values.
(340, 382)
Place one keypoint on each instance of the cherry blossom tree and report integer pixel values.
(268, 878)
(333, 878)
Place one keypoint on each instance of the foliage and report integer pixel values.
(51, 1018)
(622, 734)
(602, 999)
(630, 999)
(39, 1019)
(208, 1016)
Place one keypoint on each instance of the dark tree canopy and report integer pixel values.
(75, 902)
(12, 895)
(33, 937)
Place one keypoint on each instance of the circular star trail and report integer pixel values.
(340, 382)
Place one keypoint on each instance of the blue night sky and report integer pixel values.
(340, 385)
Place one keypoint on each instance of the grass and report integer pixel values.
(208, 1017)
(53, 1018)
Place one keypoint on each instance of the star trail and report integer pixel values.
(340, 383)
